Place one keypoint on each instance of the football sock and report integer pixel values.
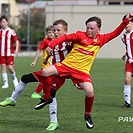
(5, 78)
(39, 88)
(127, 93)
(46, 87)
(53, 111)
(18, 89)
(88, 105)
(13, 76)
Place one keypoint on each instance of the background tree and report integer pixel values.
(37, 26)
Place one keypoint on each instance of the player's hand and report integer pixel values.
(130, 16)
(16, 53)
(123, 57)
(49, 50)
(45, 62)
(32, 64)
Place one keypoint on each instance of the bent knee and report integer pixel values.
(24, 78)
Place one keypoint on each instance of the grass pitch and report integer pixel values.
(108, 79)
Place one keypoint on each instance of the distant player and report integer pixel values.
(45, 60)
(7, 41)
(127, 39)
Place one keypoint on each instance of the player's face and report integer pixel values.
(91, 29)
(4, 24)
(129, 27)
(50, 34)
(59, 30)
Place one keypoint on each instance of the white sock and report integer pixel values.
(18, 89)
(13, 75)
(127, 93)
(5, 78)
(53, 111)
(14, 79)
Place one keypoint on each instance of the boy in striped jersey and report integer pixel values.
(127, 39)
(7, 52)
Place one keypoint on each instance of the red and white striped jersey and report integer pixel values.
(7, 39)
(128, 41)
(60, 52)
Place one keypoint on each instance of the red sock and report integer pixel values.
(88, 105)
(46, 87)
(39, 88)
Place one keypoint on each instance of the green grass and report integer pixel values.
(108, 79)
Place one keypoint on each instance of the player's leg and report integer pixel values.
(36, 94)
(127, 90)
(53, 125)
(57, 82)
(18, 89)
(127, 84)
(47, 82)
(88, 88)
(4, 76)
(13, 75)
(10, 64)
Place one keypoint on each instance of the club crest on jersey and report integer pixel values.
(58, 64)
(95, 40)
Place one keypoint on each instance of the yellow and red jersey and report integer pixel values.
(43, 46)
(85, 49)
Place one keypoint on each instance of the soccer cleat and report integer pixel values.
(35, 95)
(52, 126)
(89, 123)
(126, 105)
(5, 86)
(43, 103)
(7, 102)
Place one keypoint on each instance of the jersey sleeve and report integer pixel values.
(44, 44)
(74, 37)
(109, 36)
(14, 36)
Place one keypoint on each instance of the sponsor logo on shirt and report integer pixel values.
(91, 53)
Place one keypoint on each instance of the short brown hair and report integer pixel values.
(4, 17)
(96, 19)
(61, 21)
(50, 27)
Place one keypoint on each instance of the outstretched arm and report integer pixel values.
(35, 58)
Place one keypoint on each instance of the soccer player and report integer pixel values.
(8, 38)
(59, 53)
(78, 62)
(128, 57)
(45, 61)
(76, 65)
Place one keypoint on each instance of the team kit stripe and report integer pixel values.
(7, 41)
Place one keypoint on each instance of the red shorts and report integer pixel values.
(75, 75)
(8, 60)
(129, 67)
(57, 81)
